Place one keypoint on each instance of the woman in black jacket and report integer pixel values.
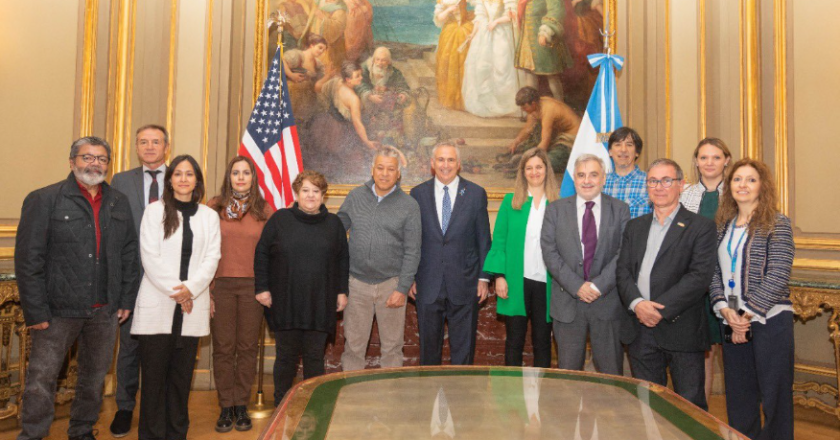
(301, 270)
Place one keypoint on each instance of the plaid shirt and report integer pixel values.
(630, 189)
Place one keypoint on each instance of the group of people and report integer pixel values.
(636, 259)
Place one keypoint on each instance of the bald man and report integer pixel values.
(386, 99)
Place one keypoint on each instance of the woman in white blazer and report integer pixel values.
(180, 247)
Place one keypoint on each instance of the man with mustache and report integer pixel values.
(77, 270)
(626, 182)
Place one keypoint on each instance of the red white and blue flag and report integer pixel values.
(271, 138)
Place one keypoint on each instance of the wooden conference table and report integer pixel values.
(487, 403)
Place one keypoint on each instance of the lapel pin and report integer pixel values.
(681, 224)
(461, 192)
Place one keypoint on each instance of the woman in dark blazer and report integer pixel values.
(750, 292)
(523, 285)
(301, 268)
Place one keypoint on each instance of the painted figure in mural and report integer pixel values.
(295, 15)
(388, 110)
(583, 37)
(551, 125)
(456, 26)
(306, 75)
(542, 50)
(329, 20)
(337, 140)
(358, 35)
(490, 79)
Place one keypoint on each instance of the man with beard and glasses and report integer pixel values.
(388, 109)
(77, 269)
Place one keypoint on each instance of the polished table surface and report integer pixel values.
(487, 403)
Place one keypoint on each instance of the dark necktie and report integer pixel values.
(153, 188)
(447, 210)
(589, 238)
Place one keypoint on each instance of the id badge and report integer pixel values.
(732, 301)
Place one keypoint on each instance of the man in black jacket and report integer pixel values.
(664, 269)
(77, 271)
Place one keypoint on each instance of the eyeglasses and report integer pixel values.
(89, 158)
(666, 182)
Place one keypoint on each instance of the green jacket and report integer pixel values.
(507, 257)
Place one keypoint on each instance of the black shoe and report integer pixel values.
(121, 425)
(89, 436)
(243, 422)
(225, 422)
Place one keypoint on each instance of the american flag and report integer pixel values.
(271, 138)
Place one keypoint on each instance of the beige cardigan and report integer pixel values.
(161, 259)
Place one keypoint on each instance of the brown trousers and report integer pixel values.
(236, 331)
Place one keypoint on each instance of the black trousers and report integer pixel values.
(168, 362)
(517, 326)
(650, 362)
(291, 345)
(461, 320)
(759, 375)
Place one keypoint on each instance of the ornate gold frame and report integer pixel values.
(341, 190)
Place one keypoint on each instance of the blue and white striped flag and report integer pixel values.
(601, 118)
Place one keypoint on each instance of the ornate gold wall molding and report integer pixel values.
(815, 264)
(752, 73)
(208, 69)
(260, 47)
(170, 88)
(807, 303)
(780, 118)
(124, 73)
(825, 244)
(703, 79)
(88, 68)
(669, 153)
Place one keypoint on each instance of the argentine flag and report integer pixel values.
(601, 118)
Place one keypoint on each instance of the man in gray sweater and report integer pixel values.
(384, 225)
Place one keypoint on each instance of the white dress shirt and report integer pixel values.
(534, 264)
(147, 182)
(453, 189)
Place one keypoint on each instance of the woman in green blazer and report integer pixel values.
(523, 285)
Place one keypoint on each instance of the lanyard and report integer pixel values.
(734, 256)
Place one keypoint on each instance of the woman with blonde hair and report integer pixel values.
(750, 292)
(711, 157)
(523, 285)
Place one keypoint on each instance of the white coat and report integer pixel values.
(155, 309)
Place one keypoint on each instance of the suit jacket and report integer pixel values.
(130, 183)
(680, 278)
(563, 256)
(457, 257)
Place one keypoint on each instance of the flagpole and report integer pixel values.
(259, 409)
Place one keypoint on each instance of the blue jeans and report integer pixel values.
(96, 336)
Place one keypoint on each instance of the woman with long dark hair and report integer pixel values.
(236, 313)
(523, 286)
(750, 292)
(180, 250)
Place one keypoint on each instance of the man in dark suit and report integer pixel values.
(141, 185)
(581, 237)
(664, 269)
(456, 238)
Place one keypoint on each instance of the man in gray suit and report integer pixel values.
(581, 237)
(141, 185)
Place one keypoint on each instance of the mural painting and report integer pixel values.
(411, 73)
